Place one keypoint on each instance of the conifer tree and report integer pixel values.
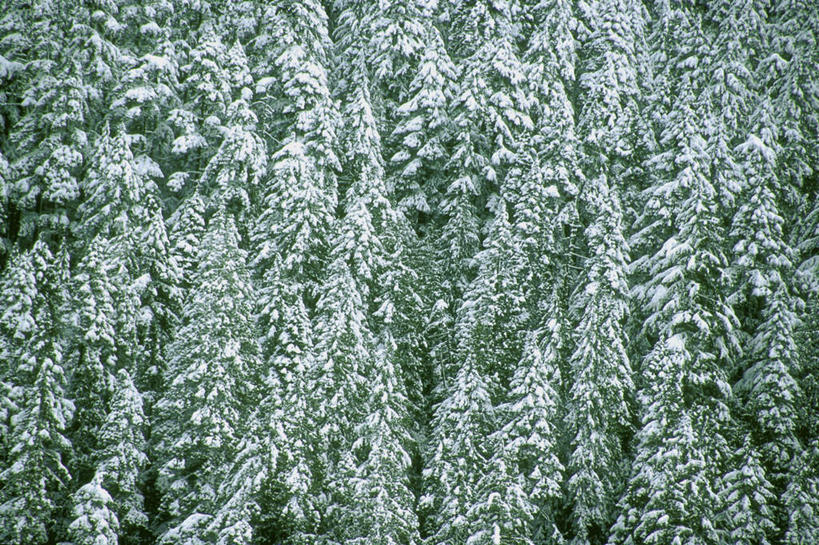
(526, 462)
(784, 76)
(748, 498)
(738, 32)
(422, 130)
(49, 138)
(97, 357)
(458, 453)
(291, 239)
(95, 523)
(123, 210)
(688, 319)
(36, 478)
(671, 496)
(800, 498)
(543, 195)
(599, 415)
(122, 457)
(490, 114)
(211, 383)
(187, 230)
(764, 264)
(207, 92)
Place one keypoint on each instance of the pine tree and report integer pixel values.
(784, 76)
(149, 90)
(731, 85)
(337, 382)
(379, 504)
(458, 453)
(187, 230)
(36, 478)
(123, 209)
(291, 239)
(489, 332)
(206, 94)
(233, 175)
(544, 194)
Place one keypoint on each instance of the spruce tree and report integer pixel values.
(688, 319)
(97, 352)
(122, 457)
(764, 263)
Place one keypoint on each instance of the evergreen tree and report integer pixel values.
(49, 138)
(36, 477)
(748, 499)
(95, 523)
(199, 417)
(233, 174)
(599, 415)
(671, 496)
(784, 76)
(731, 85)
(458, 453)
(688, 319)
(764, 263)
(544, 194)
(489, 330)
(527, 460)
(188, 229)
(97, 353)
(422, 131)
(122, 457)
(800, 498)
(490, 115)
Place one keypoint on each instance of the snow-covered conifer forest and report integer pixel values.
(409, 272)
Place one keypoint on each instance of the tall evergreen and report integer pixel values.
(35, 477)
(598, 408)
(689, 322)
(599, 412)
(211, 383)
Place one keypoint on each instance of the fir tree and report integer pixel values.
(748, 499)
(36, 478)
(199, 417)
(122, 457)
(670, 496)
(97, 352)
(800, 498)
(598, 407)
(764, 264)
(95, 523)
(422, 129)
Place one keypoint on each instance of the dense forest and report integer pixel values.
(404, 272)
